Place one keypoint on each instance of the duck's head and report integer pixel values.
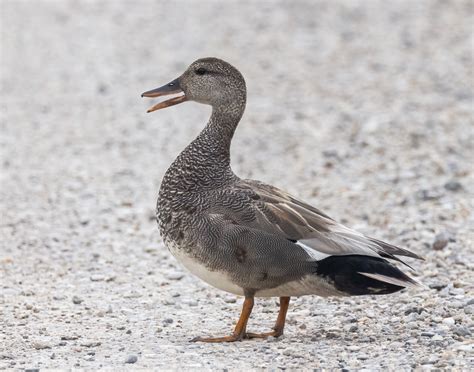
(210, 81)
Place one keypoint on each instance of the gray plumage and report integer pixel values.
(247, 237)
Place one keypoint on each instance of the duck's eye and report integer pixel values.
(201, 71)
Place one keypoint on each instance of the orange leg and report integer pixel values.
(279, 324)
(240, 328)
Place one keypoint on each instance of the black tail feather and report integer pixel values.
(347, 274)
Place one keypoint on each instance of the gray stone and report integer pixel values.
(40, 345)
(462, 331)
(131, 359)
(441, 240)
(427, 334)
(453, 185)
(90, 343)
(97, 278)
(449, 321)
(438, 286)
(77, 300)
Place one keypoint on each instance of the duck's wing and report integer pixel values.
(273, 211)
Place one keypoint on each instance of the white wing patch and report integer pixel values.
(313, 253)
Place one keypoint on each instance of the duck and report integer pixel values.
(249, 238)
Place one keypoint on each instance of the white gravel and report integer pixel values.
(363, 108)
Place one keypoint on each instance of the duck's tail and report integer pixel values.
(363, 275)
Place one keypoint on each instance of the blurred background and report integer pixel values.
(362, 108)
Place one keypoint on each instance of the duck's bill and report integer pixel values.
(166, 90)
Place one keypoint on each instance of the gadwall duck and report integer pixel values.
(249, 238)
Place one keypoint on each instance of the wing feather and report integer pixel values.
(274, 211)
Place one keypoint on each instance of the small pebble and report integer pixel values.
(77, 300)
(438, 286)
(427, 334)
(69, 337)
(453, 185)
(449, 321)
(90, 343)
(462, 331)
(131, 359)
(40, 345)
(175, 276)
(190, 302)
(441, 240)
(97, 278)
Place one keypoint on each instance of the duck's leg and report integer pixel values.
(279, 324)
(240, 328)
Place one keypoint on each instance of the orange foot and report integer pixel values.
(231, 338)
(238, 337)
(274, 333)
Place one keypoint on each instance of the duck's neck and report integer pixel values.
(205, 162)
(217, 136)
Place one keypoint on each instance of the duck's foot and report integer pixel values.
(274, 333)
(239, 331)
(231, 338)
(239, 337)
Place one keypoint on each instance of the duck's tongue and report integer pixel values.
(168, 89)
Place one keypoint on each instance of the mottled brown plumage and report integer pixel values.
(247, 237)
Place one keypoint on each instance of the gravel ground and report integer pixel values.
(363, 108)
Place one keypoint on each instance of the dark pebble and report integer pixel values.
(438, 286)
(427, 334)
(453, 185)
(76, 300)
(417, 310)
(427, 195)
(441, 241)
(131, 359)
(330, 154)
(102, 89)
